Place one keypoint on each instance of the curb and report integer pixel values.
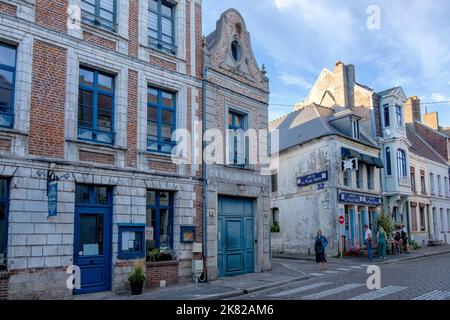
(418, 256)
(423, 255)
(241, 292)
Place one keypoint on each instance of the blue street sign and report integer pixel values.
(359, 199)
(312, 178)
(52, 199)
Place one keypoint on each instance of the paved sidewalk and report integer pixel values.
(413, 254)
(235, 286)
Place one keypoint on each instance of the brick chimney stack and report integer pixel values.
(413, 110)
(344, 83)
(431, 120)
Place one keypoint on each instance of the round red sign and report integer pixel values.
(341, 219)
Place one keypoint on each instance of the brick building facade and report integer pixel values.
(96, 102)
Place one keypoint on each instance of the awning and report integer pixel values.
(349, 153)
(378, 163)
(367, 159)
(373, 161)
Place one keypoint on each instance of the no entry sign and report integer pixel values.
(341, 219)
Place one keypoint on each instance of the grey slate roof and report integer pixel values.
(385, 92)
(309, 123)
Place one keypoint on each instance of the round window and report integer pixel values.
(236, 50)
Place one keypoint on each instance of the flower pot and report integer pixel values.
(136, 287)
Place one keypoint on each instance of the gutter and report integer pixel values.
(204, 202)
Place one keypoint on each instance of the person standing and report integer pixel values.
(368, 241)
(404, 235)
(320, 243)
(381, 241)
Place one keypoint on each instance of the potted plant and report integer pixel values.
(137, 278)
(275, 227)
(163, 254)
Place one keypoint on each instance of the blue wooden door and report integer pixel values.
(92, 246)
(235, 236)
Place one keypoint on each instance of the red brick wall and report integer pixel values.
(198, 210)
(132, 117)
(5, 144)
(48, 91)
(4, 282)
(157, 271)
(163, 63)
(99, 41)
(162, 166)
(198, 39)
(8, 9)
(436, 140)
(188, 37)
(376, 109)
(52, 14)
(133, 28)
(88, 156)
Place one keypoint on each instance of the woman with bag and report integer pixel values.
(320, 243)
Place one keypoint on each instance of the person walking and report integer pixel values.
(320, 243)
(382, 243)
(368, 241)
(404, 235)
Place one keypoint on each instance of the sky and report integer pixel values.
(296, 39)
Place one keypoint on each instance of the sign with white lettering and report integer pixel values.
(359, 199)
(312, 178)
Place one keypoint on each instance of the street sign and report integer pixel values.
(341, 219)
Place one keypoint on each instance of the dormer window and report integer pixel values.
(236, 50)
(355, 129)
(398, 113)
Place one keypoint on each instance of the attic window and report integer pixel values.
(236, 50)
(355, 129)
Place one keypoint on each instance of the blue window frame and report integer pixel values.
(131, 241)
(161, 120)
(160, 219)
(237, 150)
(7, 84)
(388, 162)
(401, 164)
(161, 26)
(187, 234)
(100, 13)
(4, 209)
(96, 106)
(92, 195)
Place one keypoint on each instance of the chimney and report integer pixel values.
(340, 84)
(431, 120)
(412, 110)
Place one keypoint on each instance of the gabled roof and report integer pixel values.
(309, 123)
(420, 147)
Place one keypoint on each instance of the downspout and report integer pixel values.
(382, 156)
(204, 202)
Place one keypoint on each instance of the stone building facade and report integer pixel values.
(314, 187)
(82, 105)
(237, 193)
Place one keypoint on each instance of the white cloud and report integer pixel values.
(439, 97)
(291, 80)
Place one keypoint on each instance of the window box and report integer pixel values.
(161, 271)
(131, 241)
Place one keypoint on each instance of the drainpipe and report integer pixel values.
(204, 202)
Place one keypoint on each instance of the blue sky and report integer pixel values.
(296, 39)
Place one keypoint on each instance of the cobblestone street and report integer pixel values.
(420, 279)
